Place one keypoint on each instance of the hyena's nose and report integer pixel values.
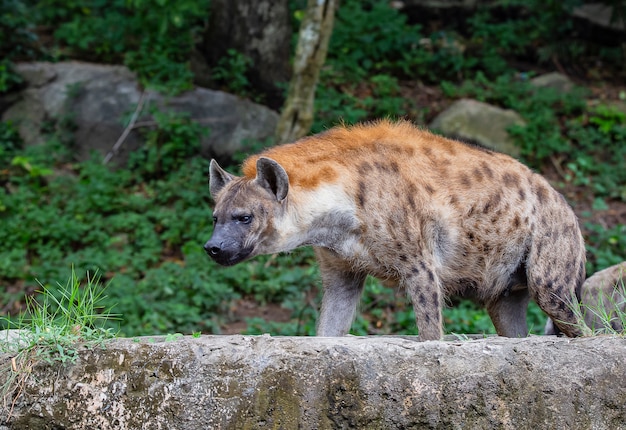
(213, 249)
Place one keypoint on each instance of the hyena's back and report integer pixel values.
(440, 217)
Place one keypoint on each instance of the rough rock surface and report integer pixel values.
(481, 123)
(99, 99)
(256, 382)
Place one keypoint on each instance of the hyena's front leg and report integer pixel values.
(425, 290)
(342, 291)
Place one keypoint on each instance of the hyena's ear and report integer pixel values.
(218, 177)
(271, 176)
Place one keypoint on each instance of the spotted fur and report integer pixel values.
(433, 216)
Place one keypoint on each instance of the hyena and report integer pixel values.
(433, 216)
(603, 295)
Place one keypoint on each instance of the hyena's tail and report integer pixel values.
(604, 289)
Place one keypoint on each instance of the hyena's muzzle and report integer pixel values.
(227, 245)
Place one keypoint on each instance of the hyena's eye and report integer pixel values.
(244, 219)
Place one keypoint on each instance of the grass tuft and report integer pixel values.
(608, 314)
(56, 324)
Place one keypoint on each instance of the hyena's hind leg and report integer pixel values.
(555, 278)
(425, 291)
(342, 291)
(508, 313)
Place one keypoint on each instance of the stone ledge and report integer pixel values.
(255, 382)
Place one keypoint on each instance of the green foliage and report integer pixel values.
(605, 247)
(609, 311)
(152, 37)
(538, 29)
(230, 72)
(379, 97)
(16, 40)
(600, 160)
(173, 139)
(56, 324)
(60, 320)
(371, 48)
(8, 78)
(370, 37)
(607, 314)
(145, 229)
(10, 143)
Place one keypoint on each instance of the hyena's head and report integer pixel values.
(245, 210)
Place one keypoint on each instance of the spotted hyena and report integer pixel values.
(430, 215)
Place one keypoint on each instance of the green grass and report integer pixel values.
(60, 321)
(609, 311)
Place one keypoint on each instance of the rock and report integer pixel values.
(98, 98)
(603, 292)
(600, 14)
(555, 80)
(234, 382)
(481, 123)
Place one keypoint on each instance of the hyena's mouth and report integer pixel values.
(228, 258)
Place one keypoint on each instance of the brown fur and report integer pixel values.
(431, 215)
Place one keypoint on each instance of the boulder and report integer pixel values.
(98, 99)
(257, 382)
(555, 80)
(480, 123)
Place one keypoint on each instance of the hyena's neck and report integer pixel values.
(324, 216)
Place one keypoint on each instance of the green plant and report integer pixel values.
(609, 311)
(173, 337)
(17, 40)
(62, 319)
(56, 325)
(605, 247)
(371, 37)
(10, 142)
(174, 138)
(230, 73)
(378, 97)
(34, 171)
(9, 79)
(600, 163)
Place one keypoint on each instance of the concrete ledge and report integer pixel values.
(257, 382)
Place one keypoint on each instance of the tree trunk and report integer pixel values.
(260, 30)
(315, 31)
